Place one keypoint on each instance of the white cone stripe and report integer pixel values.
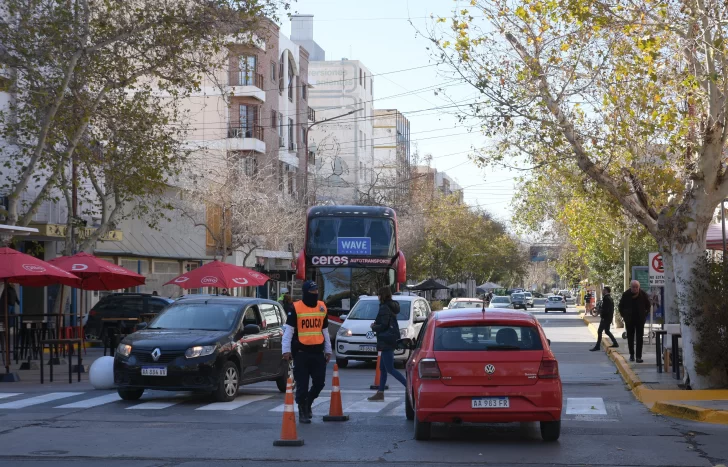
(288, 408)
(336, 389)
(23, 403)
(336, 374)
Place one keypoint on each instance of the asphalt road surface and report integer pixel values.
(602, 425)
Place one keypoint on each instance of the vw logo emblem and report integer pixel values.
(490, 369)
(156, 353)
(370, 335)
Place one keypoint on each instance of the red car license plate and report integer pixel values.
(491, 403)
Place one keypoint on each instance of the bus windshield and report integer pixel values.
(324, 232)
(340, 288)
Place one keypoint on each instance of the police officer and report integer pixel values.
(306, 340)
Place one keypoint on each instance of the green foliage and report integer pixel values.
(704, 305)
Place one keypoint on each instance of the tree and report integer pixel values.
(96, 91)
(633, 94)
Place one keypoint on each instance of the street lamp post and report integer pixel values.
(308, 129)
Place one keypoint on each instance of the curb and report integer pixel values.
(662, 402)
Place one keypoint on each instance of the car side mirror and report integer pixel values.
(420, 319)
(251, 329)
(405, 344)
(141, 326)
(343, 317)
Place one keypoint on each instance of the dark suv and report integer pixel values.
(121, 305)
(207, 343)
(518, 300)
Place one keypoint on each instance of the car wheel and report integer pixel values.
(130, 394)
(564, 311)
(423, 430)
(409, 412)
(550, 431)
(342, 362)
(227, 386)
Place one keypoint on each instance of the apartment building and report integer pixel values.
(429, 182)
(392, 157)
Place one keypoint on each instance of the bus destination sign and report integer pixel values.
(343, 260)
(354, 246)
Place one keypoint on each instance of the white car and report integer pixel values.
(500, 301)
(464, 303)
(356, 340)
(529, 299)
(555, 303)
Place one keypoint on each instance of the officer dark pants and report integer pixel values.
(309, 365)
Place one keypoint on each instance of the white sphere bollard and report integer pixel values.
(101, 373)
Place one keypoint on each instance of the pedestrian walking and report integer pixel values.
(155, 294)
(306, 340)
(634, 306)
(287, 303)
(12, 300)
(387, 329)
(607, 318)
(284, 291)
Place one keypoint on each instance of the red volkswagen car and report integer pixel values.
(476, 366)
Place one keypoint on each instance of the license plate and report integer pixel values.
(154, 371)
(491, 403)
(367, 348)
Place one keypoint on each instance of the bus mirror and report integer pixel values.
(401, 268)
(301, 266)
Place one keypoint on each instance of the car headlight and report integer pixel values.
(200, 351)
(124, 350)
(344, 332)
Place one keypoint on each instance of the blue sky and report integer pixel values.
(378, 33)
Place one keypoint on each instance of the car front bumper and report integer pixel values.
(350, 348)
(197, 374)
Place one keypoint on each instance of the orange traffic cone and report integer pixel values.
(288, 430)
(376, 373)
(336, 413)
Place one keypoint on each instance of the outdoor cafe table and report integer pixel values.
(108, 343)
(27, 340)
(67, 342)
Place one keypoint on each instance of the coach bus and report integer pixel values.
(350, 251)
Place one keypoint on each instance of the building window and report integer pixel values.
(249, 166)
(281, 74)
(248, 115)
(273, 68)
(282, 167)
(291, 140)
(304, 91)
(360, 77)
(290, 81)
(365, 80)
(371, 86)
(281, 132)
(247, 67)
(291, 177)
(273, 119)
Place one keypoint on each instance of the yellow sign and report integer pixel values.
(57, 230)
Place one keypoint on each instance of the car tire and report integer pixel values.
(130, 394)
(423, 430)
(409, 412)
(228, 383)
(342, 362)
(550, 431)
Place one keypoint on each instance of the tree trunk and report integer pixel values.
(672, 313)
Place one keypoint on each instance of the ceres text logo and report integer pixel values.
(330, 260)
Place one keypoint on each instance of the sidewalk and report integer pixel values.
(661, 392)
(31, 378)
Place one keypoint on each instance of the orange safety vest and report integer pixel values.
(310, 323)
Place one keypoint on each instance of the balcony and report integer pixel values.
(241, 84)
(311, 115)
(246, 138)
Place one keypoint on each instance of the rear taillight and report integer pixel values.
(92, 313)
(549, 369)
(428, 369)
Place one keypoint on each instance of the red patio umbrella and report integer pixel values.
(219, 274)
(19, 268)
(97, 274)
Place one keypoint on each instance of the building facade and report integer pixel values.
(392, 159)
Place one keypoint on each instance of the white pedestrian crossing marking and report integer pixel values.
(153, 405)
(50, 397)
(366, 406)
(585, 406)
(238, 402)
(93, 402)
(5, 395)
(318, 403)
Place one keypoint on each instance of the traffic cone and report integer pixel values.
(336, 413)
(288, 430)
(376, 373)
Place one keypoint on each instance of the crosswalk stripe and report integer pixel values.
(239, 401)
(318, 403)
(153, 405)
(366, 406)
(93, 402)
(23, 403)
(5, 395)
(585, 406)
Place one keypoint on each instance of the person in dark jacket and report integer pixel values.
(387, 329)
(634, 306)
(607, 318)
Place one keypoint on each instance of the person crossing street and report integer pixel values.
(307, 342)
(607, 317)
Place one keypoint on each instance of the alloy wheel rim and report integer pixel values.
(231, 381)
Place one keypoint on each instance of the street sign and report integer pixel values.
(641, 275)
(657, 270)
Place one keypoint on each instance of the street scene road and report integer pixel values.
(602, 425)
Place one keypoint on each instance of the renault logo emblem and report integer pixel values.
(490, 369)
(156, 353)
(370, 335)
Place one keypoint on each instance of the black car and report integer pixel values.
(121, 305)
(518, 300)
(209, 343)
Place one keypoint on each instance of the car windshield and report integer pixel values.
(517, 296)
(202, 316)
(494, 337)
(501, 300)
(473, 304)
(555, 299)
(368, 309)
(528, 295)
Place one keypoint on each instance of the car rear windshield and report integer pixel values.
(501, 300)
(518, 296)
(555, 299)
(368, 309)
(478, 338)
(466, 305)
(201, 316)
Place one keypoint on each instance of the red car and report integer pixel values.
(472, 366)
